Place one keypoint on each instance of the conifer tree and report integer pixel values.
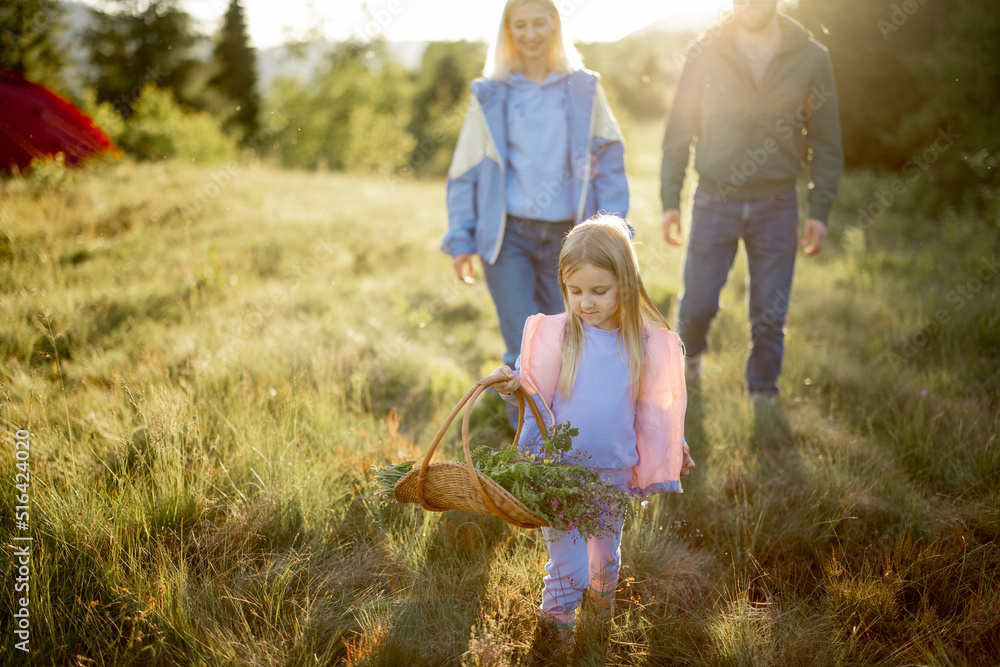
(438, 105)
(27, 33)
(236, 75)
(917, 78)
(142, 43)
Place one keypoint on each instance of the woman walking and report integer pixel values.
(539, 152)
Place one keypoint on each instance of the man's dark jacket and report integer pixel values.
(754, 141)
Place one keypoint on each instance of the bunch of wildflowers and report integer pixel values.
(568, 496)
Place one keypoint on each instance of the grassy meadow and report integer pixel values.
(210, 360)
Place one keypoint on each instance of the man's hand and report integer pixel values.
(463, 268)
(672, 226)
(688, 462)
(813, 235)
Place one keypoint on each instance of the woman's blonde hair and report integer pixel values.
(503, 58)
(605, 242)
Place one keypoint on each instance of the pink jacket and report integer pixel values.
(659, 419)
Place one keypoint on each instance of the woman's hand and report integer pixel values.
(511, 385)
(463, 268)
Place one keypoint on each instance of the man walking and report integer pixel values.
(756, 102)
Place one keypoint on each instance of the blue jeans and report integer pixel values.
(525, 278)
(769, 228)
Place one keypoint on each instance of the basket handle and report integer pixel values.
(467, 401)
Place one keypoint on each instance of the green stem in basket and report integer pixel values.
(386, 478)
(570, 497)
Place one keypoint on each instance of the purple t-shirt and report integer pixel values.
(539, 182)
(600, 404)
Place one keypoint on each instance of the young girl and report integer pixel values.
(612, 368)
(539, 152)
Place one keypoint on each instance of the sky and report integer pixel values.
(273, 22)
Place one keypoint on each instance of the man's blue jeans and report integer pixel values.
(769, 228)
(525, 278)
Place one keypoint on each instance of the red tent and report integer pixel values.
(36, 122)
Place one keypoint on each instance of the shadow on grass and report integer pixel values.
(772, 434)
(697, 439)
(459, 555)
(432, 621)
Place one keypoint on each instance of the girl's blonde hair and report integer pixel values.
(605, 242)
(503, 58)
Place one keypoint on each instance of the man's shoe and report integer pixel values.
(760, 399)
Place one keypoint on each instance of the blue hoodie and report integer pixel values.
(477, 211)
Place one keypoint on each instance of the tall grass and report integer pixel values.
(209, 387)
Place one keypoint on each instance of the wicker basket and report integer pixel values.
(453, 485)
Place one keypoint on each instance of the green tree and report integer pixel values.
(959, 77)
(142, 43)
(351, 115)
(438, 105)
(236, 74)
(28, 29)
(638, 73)
(877, 91)
(908, 71)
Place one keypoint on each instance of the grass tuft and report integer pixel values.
(208, 392)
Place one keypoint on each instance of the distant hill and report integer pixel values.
(292, 61)
(296, 61)
(300, 61)
(689, 21)
(72, 41)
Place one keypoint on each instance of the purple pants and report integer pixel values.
(576, 564)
